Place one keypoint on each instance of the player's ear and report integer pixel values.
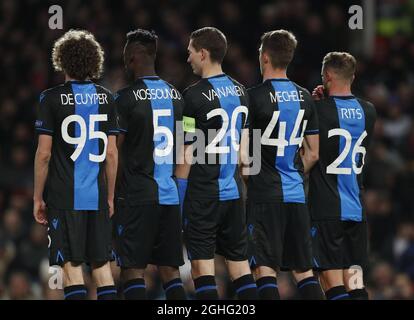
(328, 75)
(203, 54)
(265, 58)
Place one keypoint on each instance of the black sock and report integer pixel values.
(205, 288)
(310, 289)
(174, 290)
(358, 294)
(106, 293)
(337, 293)
(267, 288)
(77, 292)
(246, 288)
(135, 289)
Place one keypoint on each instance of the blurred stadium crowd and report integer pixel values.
(385, 78)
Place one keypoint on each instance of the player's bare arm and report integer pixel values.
(119, 144)
(41, 168)
(111, 166)
(244, 155)
(310, 151)
(184, 159)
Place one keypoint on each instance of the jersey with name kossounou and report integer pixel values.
(149, 111)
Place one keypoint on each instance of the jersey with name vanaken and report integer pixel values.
(283, 112)
(149, 110)
(346, 126)
(79, 115)
(216, 111)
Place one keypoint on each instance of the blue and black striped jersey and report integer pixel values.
(346, 127)
(217, 108)
(79, 115)
(284, 112)
(149, 110)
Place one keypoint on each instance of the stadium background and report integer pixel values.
(385, 52)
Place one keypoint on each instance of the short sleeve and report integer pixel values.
(313, 122)
(113, 118)
(189, 121)
(44, 123)
(246, 122)
(179, 107)
(122, 112)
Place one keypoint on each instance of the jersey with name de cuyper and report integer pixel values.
(216, 112)
(149, 111)
(335, 188)
(283, 112)
(79, 115)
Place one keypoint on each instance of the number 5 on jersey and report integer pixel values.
(162, 130)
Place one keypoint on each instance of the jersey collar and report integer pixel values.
(216, 76)
(79, 81)
(148, 77)
(276, 79)
(343, 97)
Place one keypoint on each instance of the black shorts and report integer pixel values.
(279, 236)
(148, 234)
(215, 227)
(339, 244)
(79, 236)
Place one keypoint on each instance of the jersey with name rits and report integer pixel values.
(216, 111)
(346, 127)
(149, 110)
(79, 115)
(283, 112)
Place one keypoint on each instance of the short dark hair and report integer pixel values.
(146, 38)
(78, 54)
(211, 39)
(280, 45)
(342, 63)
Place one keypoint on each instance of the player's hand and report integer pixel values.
(111, 208)
(318, 93)
(39, 212)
